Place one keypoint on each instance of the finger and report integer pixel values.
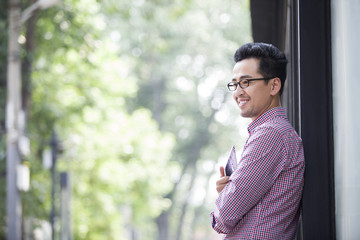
(220, 186)
(222, 171)
(223, 180)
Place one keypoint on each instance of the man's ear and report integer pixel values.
(275, 86)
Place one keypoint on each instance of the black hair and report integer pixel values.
(272, 60)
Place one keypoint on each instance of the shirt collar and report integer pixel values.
(266, 116)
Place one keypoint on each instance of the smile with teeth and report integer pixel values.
(242, 102)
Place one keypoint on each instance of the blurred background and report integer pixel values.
(123, 116)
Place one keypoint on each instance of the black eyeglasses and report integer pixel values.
(232, 86)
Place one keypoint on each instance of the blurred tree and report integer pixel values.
(80, 90)
(77, 87)
(3, 60)
(183, 53)
(135, 90)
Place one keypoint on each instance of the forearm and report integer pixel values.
(228, 210)
(218, 223)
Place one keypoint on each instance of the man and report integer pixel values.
(261, 199)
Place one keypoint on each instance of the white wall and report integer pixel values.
(346, 100)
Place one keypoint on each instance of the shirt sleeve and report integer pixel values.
(259, 166)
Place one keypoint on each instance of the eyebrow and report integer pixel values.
(242, 78)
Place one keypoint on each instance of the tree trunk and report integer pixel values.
(198, 210)
(200, 140)
(185, 205)
(159, 103)
(163, 225)
(13, 130)
(27, 63)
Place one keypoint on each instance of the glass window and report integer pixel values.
(346, 89)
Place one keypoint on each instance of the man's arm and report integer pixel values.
(258, 168)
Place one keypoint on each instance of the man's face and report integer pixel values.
(259, 97)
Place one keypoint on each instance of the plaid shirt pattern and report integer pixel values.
(263, 195)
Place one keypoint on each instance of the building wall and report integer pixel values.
(322, 42)
(346, 110)
(316, 118)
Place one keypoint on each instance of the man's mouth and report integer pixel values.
(242, 102)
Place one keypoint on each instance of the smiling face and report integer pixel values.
(260, 96)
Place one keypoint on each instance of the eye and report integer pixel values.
(244, 82)
(232, 86)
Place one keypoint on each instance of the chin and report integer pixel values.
(245, 115)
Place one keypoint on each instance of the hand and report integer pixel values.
(221, 183)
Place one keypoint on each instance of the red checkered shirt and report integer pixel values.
(263, 195)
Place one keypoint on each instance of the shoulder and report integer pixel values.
(278, 125)
(274, 132)
(265, 135)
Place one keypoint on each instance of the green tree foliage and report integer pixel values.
(183, 51)
(135, 91)
(118, 161)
